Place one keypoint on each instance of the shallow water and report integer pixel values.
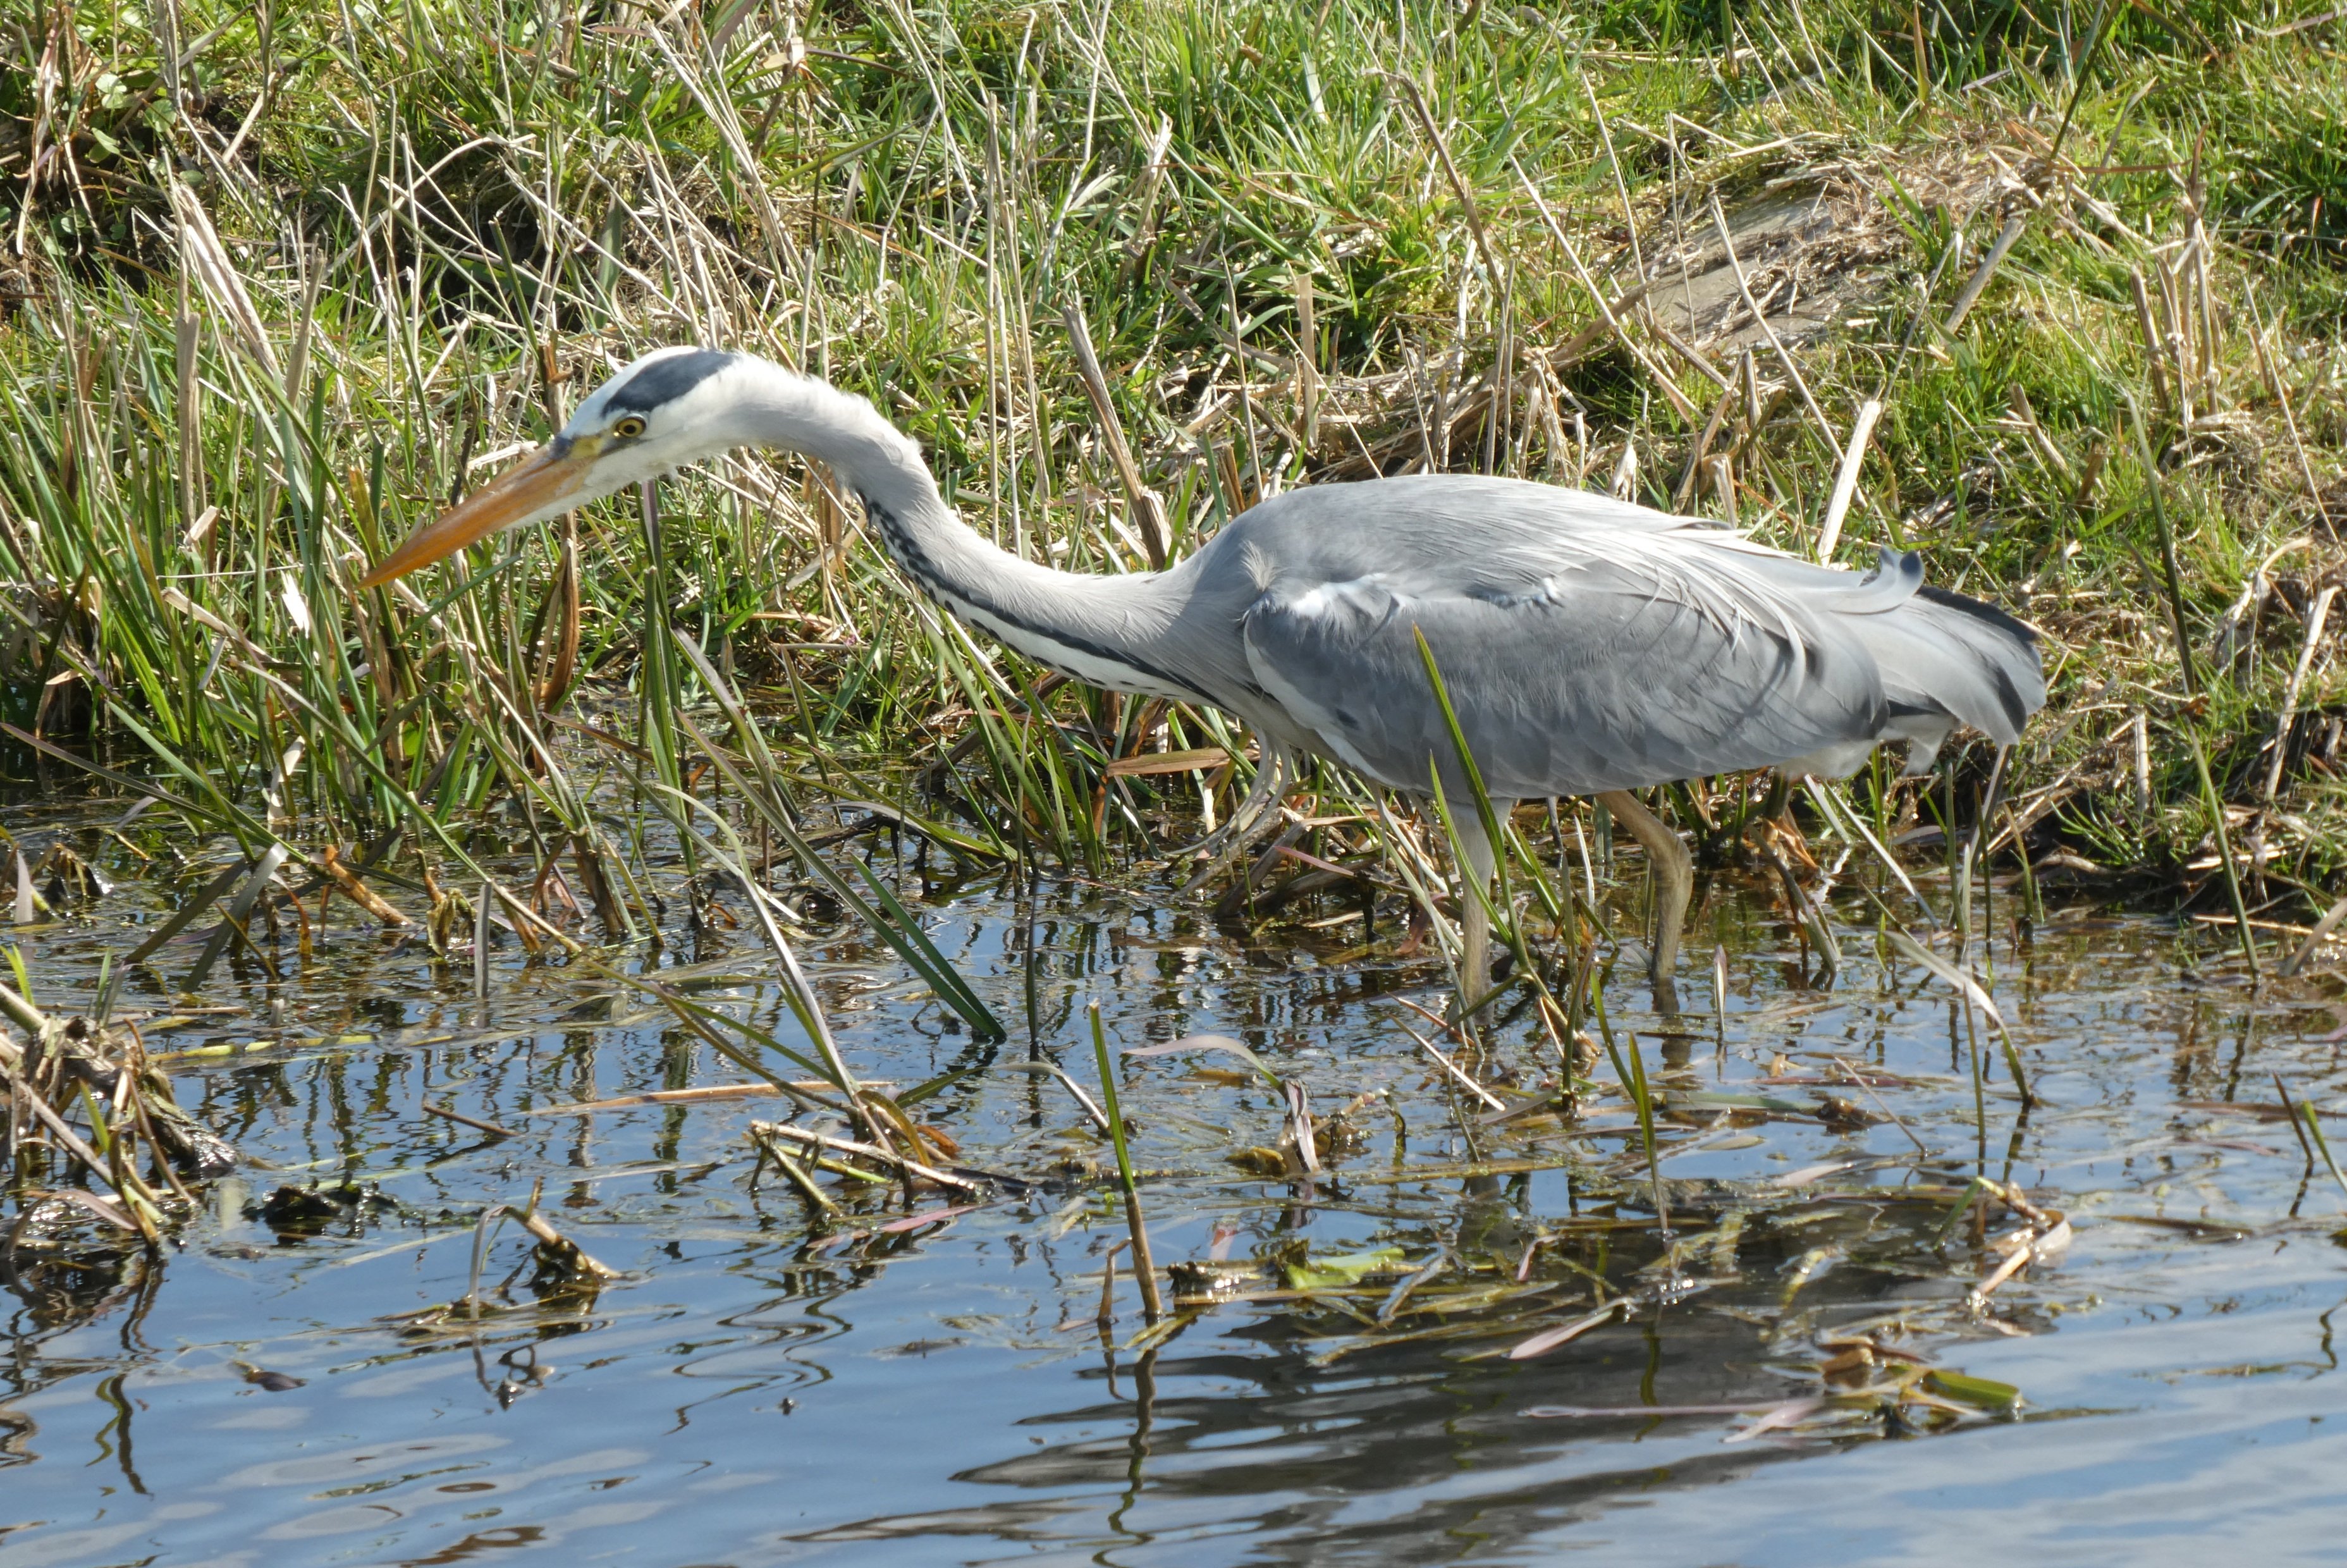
(761, 1388)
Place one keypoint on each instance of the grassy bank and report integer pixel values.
(279, 282)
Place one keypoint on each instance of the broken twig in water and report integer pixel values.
(472, 1122)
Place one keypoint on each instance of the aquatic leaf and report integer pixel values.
(1848, 1364)
(1778, 1418)
(921, 827)
(1807, 1174)
(898, 928)
(1588, 1412)
(685, 1096)
(1222, 1043)
(1457, 1074)
(1980, 1393)
(1469, 1173)
(1966, 986)
(239, 909)
(1152, 762)
(451, 1114)
(1401, 1291)
(2263, 1110)
(904, 933)
(2193, 1229)
(914, 1222)
(1342, 1268)
(937, 1085)
(1548, 1339)
(1048, 1069)
(1144, 1271)
(1710, 1100)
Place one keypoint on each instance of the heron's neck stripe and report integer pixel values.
(924, 572)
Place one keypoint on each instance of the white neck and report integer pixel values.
(1100, 630)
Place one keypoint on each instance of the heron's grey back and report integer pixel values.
(1588, 644)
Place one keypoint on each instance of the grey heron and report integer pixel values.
(1589, 646)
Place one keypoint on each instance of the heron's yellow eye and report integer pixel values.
(627, 429)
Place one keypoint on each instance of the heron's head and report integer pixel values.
(668, 409)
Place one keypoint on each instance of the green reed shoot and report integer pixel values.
(1144, 1269)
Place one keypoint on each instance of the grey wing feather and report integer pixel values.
(1595, 686)
(1589, 645)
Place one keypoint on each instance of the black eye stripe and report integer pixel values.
(664, 380)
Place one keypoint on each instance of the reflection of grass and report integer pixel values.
(259, 330)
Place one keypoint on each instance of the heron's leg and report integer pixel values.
(1475, 957)
(1270, 778)
(1249, 819)
(1673, 869)
(1477, 864)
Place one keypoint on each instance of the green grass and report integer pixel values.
(435, 224)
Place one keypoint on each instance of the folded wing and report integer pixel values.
(1610, 647)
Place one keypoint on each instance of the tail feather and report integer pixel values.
(1946, 660)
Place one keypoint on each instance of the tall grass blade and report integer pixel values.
(1145, 1268)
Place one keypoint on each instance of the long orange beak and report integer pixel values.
(536, 485)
